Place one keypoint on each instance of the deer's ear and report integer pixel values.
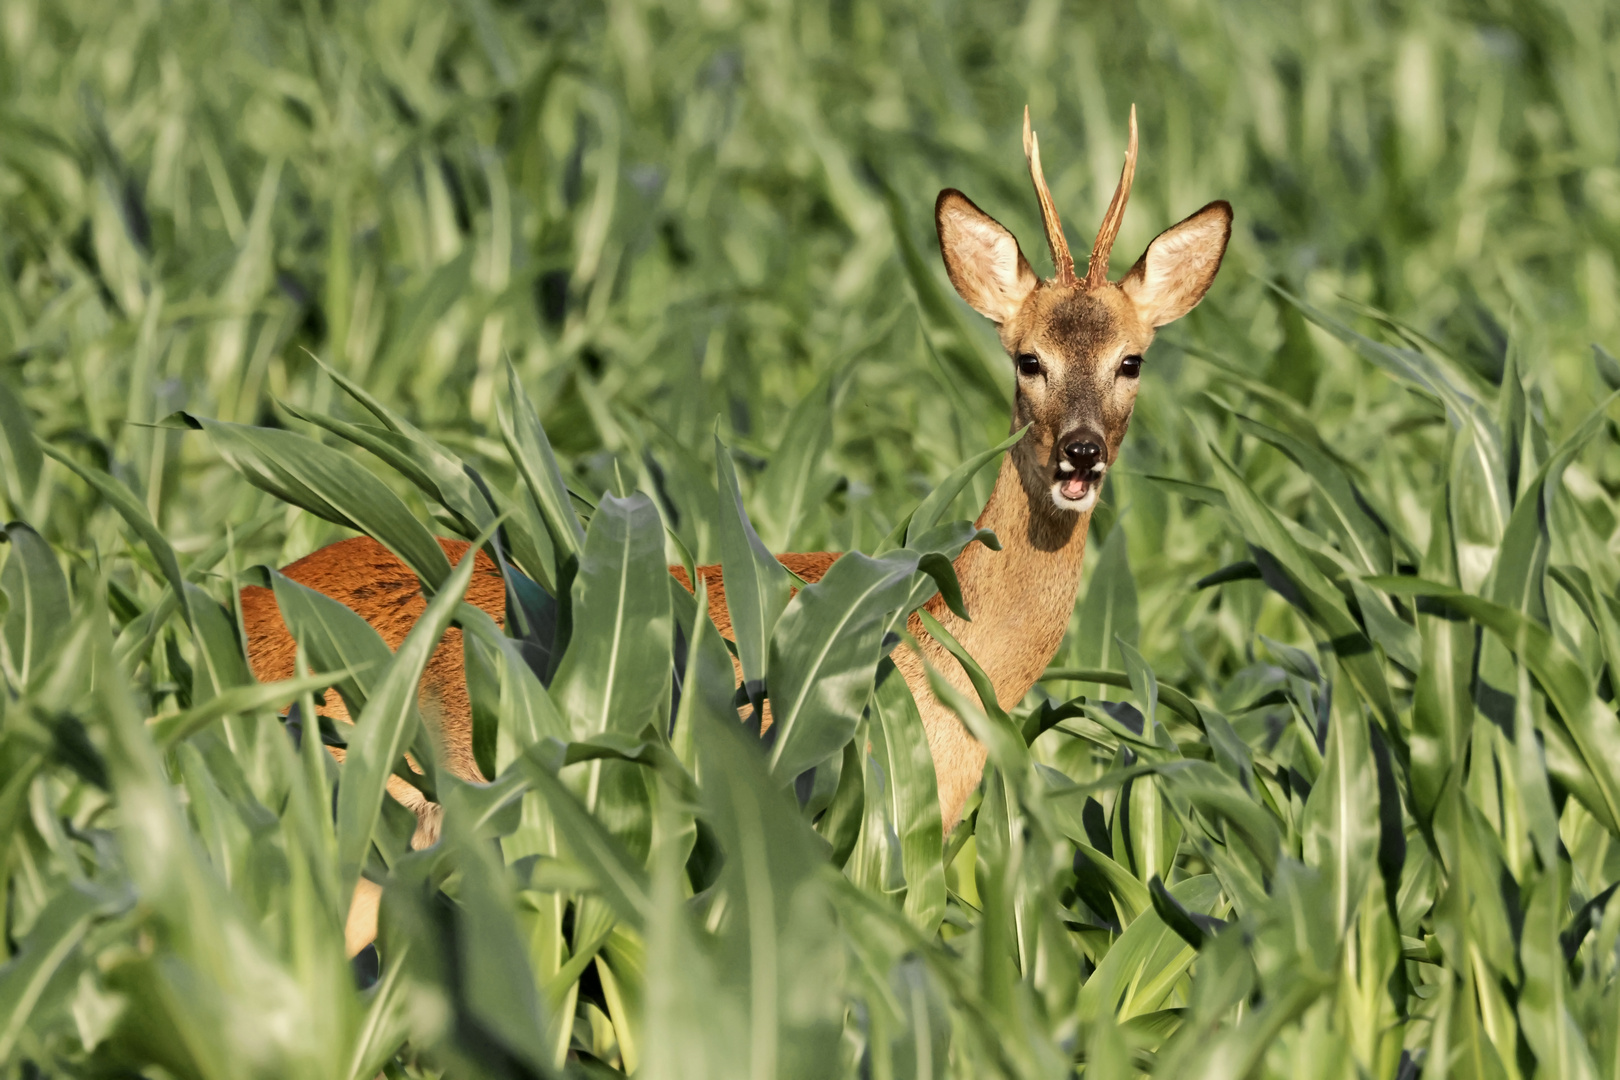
(982, 258)
(1178, 268)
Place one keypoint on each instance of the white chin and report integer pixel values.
(1078, 506)
(1086, 500)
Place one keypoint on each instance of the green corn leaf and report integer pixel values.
(1154, 829)
(990, 726)
(694, 1018)
(49, 946)
(1198, 493)
(1293, 940)
(1545, 1010)
(439, 472)
(1142, 679)
(936, 569)
(965, 359)
(825, 652)
(531, 452)
(933, 508)
(841, 823)
(387, 725)
(520, 704)
(1591, 727)
(1362, 536)
(386, 1023)
(1338, 834)
(976, 675)
(334, 637)
(1518, 578)
(532, 547)
(20, 458)
(1310, 591)
(217, 646)
(706, 683)
(1193, 928)
(241, 699)
(134, 513)
(781, 951)
(1481, 500)
(1459, 1044)
(789, 487)
(329, 485)
(650, 753)
(757, 586)
(876, 864)
(1511, 419)
(1599, 610)
(498, 985)
(1479, 508)
(1109, 610)
(1128, 896)
(1400, 642)
(1442, 709)
(615, 675)
(913, 796)
(1220, 798)
(1524, 773)
(1143, 966)
(1176, 700)
(421, 461)
(39, 617)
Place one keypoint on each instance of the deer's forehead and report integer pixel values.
(1076, 324)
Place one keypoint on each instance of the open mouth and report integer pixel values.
(1074, 486)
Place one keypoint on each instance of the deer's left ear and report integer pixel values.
(1178, 268)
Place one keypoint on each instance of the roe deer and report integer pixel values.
(1076, 344)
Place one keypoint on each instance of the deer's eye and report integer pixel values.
(1029, 364)
(1131, 367)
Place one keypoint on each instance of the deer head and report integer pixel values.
(1076, 343)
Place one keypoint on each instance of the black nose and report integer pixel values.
(1083, 455)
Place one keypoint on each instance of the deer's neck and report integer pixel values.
(1019, 597)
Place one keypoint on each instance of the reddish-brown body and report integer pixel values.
(809, 567)
(363, 575)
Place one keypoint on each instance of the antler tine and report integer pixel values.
(1097, 268)
(1062, 261)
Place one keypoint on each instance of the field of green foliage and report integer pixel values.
(1324, 781)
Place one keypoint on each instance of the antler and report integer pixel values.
(1097, 268)
(1061, 259)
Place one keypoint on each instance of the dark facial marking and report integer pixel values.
(1079, 322)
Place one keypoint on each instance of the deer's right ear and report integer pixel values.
(982, 258)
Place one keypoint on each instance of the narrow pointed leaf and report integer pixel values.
(387, 725)
(615, 675)
(757, 586)
(824, 654)
(134, 513)
(39, 616)
(329, 485)
(913, 795)
(531, 453)
(1590, 724)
